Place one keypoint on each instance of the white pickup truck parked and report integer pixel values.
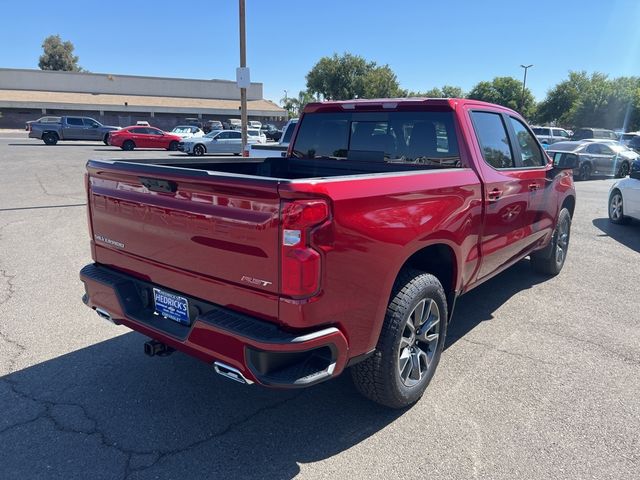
(262, 150)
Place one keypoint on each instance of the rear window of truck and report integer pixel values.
(417, 138)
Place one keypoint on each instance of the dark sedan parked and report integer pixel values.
(597, 157)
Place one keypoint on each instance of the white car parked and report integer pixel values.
(624, 197)
(256, 136)
(187, 131)
(216, 141)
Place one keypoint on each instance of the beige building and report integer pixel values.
(124, 99)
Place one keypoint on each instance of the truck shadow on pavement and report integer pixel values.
(628, 235)
(108, 411)
(480, 303)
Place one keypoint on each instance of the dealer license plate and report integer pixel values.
(171, 306)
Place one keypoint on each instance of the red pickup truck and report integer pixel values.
(349, 252)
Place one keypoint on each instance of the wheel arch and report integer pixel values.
(570, 204)
(440, 260)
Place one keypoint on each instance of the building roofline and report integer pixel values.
(107, 75)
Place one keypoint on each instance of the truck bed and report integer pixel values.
(273, 167)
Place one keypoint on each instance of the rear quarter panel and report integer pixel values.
(378, 223)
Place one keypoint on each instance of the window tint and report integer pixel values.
(234, 135)
(582, 134)
(559, 133)
(223, 135)
(154, 131)
(606, 150)
(88, 122)
(493, 139)
(593, 148)
(530, 153)
(75, 121)
(416, 138)
(286, 136)
(138, 130)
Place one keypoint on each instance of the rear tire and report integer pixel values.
(550, 260)
(128, 145)
(623, 171)
(50, 138)
(410, 343)
(616, 208)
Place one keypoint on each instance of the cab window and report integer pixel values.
(530, 153)
(493, 139)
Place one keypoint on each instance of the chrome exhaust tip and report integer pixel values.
(231, 373)
(102, 313)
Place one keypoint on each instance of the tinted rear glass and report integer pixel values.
(75, 121)
(286, 136)
(419, 138)
(580, 134)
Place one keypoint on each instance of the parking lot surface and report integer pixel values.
(540, 377)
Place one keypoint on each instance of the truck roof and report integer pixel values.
(394, 103)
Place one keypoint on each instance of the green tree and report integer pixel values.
(447, 91)
(294, 105)
(347, 76)
(505, 91)
(561, 101)
(584, 100)
(58, 55)
(381, 82)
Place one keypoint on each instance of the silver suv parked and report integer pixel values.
(550, 135)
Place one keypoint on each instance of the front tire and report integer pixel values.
(410, 343)
(105, 139)
(173, 146)
(585, 171)
(199, 150)
(550, 260)
(616, 208)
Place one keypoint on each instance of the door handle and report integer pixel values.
(533, 187)
(494, 195)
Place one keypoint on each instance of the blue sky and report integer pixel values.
(427, 43)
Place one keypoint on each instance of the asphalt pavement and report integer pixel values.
(540, 378)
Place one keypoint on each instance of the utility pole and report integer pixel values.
(243, 64)
(524, 84)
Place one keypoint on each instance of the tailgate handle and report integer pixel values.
(159, 185)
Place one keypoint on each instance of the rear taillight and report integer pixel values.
(301, 264)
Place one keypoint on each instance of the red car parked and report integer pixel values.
(143, 137)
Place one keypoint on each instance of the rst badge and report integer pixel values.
(255, 281)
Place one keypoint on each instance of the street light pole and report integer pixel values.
(243, 64)
(524, 84)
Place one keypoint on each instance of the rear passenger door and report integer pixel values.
(506, 193)
(74, 129)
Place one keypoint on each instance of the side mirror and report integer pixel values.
(565, 161)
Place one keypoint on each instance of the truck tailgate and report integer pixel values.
(221, 227)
